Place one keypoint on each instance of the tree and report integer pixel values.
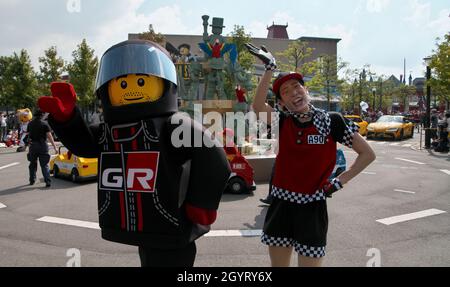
(19, 80)
(245, 60)
(402, 92)
(151, 35)
(4, 88)
(325, 77)
(440, 67)
(296, 55)
(240, 38)
(51, 69)
(82, 72)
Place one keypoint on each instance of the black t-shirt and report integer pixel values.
(37, 131)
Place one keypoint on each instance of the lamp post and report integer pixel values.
(362, 76)
(374, 90)
(373, 93)
(428, 106)
(353, 95)
(381, 93)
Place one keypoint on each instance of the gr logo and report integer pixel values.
(139, 174)
(112, 177)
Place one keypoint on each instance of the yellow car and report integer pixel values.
(392, 127)
(362, 124)
(68, 165)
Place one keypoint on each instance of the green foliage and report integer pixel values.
(325, 79)
(18, 81)
(440, 67)
(4, 85)
(402, 92)
(239, 38)
(245, 60)
(51, 69)
(151, 35)
(82, 72)
(295, 58)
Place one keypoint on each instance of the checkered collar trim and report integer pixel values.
(321, 119)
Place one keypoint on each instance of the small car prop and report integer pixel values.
(68, 165)
(241, 178)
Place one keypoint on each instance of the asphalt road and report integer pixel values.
(402, 180)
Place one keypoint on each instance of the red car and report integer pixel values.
(241, 178)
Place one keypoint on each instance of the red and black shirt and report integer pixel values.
(307, 154)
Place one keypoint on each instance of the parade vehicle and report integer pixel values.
(68, 165)
(391, 127)
(362, 124)
(241, 178)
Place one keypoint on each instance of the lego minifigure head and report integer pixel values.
(184, 49)
(136, 80)
(135, 89)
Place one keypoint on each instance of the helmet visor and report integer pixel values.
(135, 58)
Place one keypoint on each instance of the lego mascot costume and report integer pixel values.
(153, 192)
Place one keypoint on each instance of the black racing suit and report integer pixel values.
(144, 180)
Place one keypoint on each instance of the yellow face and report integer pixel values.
(184, 51)
(134, 89)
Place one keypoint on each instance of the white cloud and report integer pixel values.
(342, 32)
(442, 23)
(101, 27)
(420, 13)
(377, 6)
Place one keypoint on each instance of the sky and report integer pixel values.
(377, 32)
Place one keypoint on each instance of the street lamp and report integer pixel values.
(428, 105)
(353, 95)
(381, 93)
(362, 76)
(373, 94)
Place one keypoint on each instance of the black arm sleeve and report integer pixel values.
(77, 136)
(209, 168)
(342, 129)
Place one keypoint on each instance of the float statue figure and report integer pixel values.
(215, 48)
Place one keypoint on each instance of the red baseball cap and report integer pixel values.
(283, 77)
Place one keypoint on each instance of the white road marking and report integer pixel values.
(408, 160)
(369, 172)
(405, 191)
(70, 222)
(445, 171)
(394, 144)
(2, 205)
(407, 145)
(234, 233)
(410, 216)
(381, 143)
(9, 165)
(94, 225)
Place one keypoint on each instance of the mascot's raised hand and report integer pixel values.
(61, 104)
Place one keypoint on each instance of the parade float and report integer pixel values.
(202, 93)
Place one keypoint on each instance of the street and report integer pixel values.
(396, 213)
